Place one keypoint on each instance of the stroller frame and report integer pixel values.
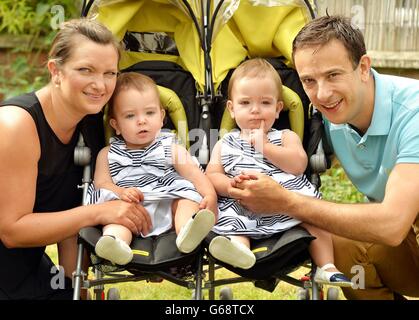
(82, 157)
(205, 100)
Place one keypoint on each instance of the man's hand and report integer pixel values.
(260, 193)
(239, 179)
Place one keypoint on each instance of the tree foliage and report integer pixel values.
(31, 25)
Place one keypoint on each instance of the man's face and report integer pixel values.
(335, 88)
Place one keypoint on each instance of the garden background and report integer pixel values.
(26, 33)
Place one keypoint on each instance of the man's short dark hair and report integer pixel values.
(322, 30)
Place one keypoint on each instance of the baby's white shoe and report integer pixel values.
(113, 249)
(195, 230)
(232, 252)
(333, 278)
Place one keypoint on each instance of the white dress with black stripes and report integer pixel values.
(150, 170)
(237, 155)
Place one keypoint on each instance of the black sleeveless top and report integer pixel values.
(56, 185)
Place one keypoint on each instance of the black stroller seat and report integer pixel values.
(276, 255)
(155, 253)
(155, 258)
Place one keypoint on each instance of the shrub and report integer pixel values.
(337, 187)
(31, 25)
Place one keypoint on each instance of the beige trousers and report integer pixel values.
(389, 271)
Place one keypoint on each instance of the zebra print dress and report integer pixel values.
(237, 155)
(150, 170)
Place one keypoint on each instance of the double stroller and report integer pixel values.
(190, 49)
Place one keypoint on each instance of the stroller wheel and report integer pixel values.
(113, 294)
(333, 294)
(303, 294)
(226, 293)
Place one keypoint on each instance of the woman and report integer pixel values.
(38, 179)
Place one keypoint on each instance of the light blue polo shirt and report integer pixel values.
(393, 136)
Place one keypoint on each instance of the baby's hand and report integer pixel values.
(258, 137)
(210, 203)
(239, 179)
(132, 195)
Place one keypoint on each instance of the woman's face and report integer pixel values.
(87, 79)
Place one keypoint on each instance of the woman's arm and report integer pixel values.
(216, 173)
(187, 168)
(19, 225)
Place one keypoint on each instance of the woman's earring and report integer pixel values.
(57, 82)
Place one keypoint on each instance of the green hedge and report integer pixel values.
(26, 31)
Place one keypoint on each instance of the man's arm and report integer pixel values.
(387, 222)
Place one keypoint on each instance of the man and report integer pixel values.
(372, 123)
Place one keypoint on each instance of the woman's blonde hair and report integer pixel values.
(64, 41)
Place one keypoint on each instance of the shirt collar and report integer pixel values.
(382, 114)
